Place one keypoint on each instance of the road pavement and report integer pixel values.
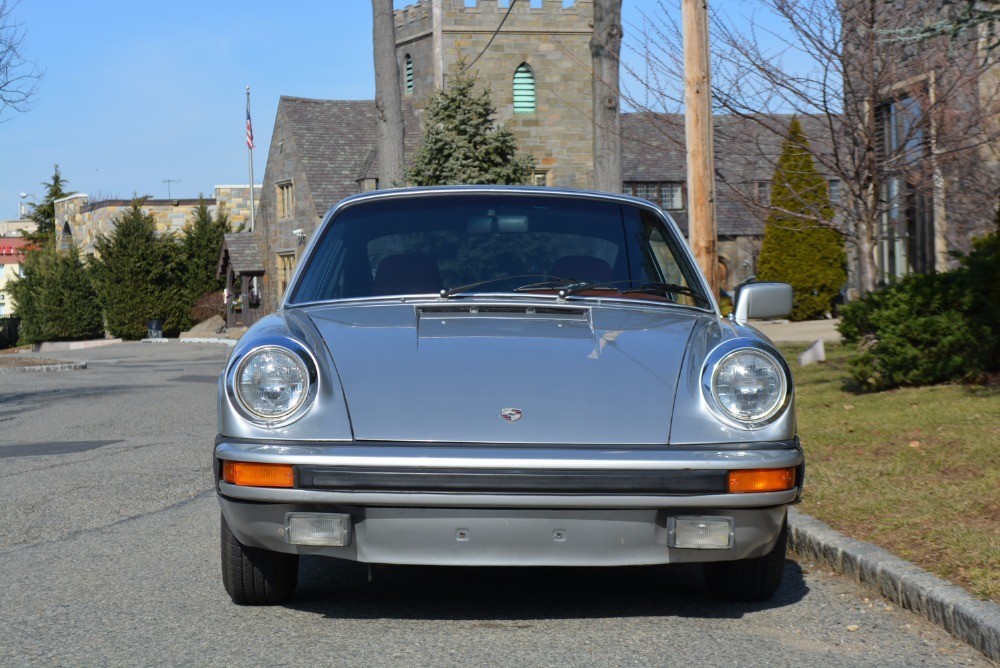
(110, 556)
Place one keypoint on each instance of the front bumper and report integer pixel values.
(506, 505)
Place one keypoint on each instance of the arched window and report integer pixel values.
(408, 67)
(524, 90)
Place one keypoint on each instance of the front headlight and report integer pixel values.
(749, 386)
(271, 383)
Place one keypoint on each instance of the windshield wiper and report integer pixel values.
(581, 286)
(448, 293)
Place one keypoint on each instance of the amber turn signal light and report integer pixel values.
(249, 474)
(761, 480)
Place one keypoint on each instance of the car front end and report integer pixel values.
(568, 420)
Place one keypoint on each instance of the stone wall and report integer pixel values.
(80, 222)
(236, 201)
(553, 40)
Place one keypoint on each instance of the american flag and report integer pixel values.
(249, 127)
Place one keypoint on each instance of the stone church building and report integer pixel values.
(535, 59)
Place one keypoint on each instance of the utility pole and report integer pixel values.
(388, 99)
(698, 137)
(168, 182)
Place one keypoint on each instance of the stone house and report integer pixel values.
(321, 151)
(654, 167)
(936, 116)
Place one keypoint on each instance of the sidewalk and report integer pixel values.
(807, 331)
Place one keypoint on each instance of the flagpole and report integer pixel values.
(250, 154)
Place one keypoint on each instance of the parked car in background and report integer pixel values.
(509, 377)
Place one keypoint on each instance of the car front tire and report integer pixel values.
(255, 576)
(753, 579)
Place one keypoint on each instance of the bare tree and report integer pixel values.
(605, 48)
(388, 99)
(971, 15)
(18, 77)
(908, 128)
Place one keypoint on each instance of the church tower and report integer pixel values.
(535, 59)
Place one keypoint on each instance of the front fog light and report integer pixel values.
(700, 533)
(318, 529)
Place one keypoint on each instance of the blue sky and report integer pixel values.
(136, 93)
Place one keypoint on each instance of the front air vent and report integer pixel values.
(435, 310)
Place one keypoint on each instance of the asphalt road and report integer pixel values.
(109, 556)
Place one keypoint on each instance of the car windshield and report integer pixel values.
(458, 244)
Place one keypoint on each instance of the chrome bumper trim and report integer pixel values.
(427, 500)
(487, 456)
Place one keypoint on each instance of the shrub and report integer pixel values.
(138, 277)
(929, 329)
(462, 143)
(201, 244)
(55, 298)
(207, 306)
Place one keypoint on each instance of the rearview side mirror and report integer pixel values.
(762, 300)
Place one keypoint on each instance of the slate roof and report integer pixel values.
(335, 140)
(242, 253)
(745, 152)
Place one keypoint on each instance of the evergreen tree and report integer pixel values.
(44, 212)
(55, 299)
(799, 247)
(138, 276)
(201, 245)
(463, 144)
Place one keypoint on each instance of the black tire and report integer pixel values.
(753, 579)
(255, 576)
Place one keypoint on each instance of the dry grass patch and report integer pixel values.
(915, 471)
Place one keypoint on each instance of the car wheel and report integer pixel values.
(753, 579)
(255, 576)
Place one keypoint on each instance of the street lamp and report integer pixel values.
(22, 206)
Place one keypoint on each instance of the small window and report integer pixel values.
(524, 90)
(670, 196)
(286, 201)
(286, 265)
(665, 194)
(408, 66)
(835, 191)
(540, 177)
(762, 193)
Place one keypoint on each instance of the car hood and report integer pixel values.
(599, 375)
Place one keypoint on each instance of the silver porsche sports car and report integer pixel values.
(498, 376)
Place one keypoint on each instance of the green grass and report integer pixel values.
(915, 471)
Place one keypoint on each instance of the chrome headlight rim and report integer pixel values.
(300, 354)
(713, 364)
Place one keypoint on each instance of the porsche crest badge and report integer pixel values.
(511, 414)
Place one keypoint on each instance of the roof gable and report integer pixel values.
(335, 143)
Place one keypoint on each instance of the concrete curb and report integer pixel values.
(68, 366)
(908, 586)
(196, 339)
(62, 346)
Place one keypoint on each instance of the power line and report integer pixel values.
(493, 36)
